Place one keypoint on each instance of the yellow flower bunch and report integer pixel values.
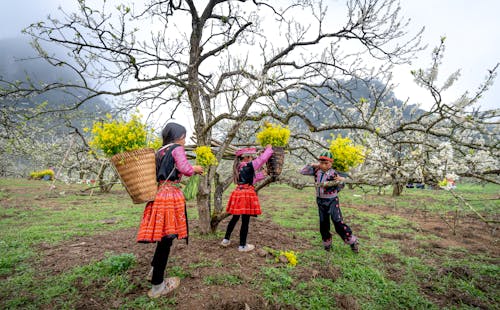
(291, 256)
(443, 183)
(205, 157)
(117, 136)
(346, 155)
(275, 135)
(37, 175)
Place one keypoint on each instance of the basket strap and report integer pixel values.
(170, 174)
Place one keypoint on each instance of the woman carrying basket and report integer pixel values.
(165, 218)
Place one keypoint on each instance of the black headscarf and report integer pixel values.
(172, 132)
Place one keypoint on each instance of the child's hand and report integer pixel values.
(198, 169)
(314, 165)
(339, 178)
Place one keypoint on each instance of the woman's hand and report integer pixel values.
(269, 145)
(198, 169)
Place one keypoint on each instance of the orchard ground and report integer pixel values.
(73, 248)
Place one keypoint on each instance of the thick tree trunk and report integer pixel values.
(219, 212)
(397, 189)
(203, 201)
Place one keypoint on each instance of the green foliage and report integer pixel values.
(222, 279)
(191, 189)
(118, 263)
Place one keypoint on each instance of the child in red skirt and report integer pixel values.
(243, 200)
(165, 218)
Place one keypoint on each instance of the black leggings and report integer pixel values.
(245, 220)
(329, 209)
(160, 259)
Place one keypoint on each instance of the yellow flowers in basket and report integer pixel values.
(275, 135)
(117, 135)
(346, 155)
(278, 137)
(131, 151)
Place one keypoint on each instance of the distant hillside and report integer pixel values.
(316, 111)
(18, 62)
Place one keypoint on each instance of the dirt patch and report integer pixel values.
(470, 233)
(201, 259)
(204, 259)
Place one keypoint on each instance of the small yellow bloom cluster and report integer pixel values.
(37, 175)
(443, 183)
(290, 255)
(275, 135)
(154, 143)
(205, 157)
(346, 155)
(116, 136)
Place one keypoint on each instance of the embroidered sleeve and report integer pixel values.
(181, 162)
(262, 159)
(307, 170)
(259, 176)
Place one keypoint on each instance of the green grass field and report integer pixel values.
(403, 263)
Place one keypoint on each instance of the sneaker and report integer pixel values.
(355, 247)
(165, 288)
(225, 242)
(328, 244)
(247, 248)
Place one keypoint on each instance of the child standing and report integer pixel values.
(165, 218)
(243, 200)
(329, 183)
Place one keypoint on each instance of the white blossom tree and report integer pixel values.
(229, 63)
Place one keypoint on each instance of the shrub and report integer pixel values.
(42, 174)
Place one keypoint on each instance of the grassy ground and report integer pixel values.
(67, 249)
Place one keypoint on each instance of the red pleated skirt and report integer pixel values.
(165, 216)
(244, 200)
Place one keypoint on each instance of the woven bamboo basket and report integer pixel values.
(275, 163)
(137, 171)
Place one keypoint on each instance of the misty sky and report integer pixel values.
(472, 44)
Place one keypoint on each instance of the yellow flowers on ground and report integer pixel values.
(117, 135)
(346, 155)
(42, 174)
(291, 256)
(275, 135)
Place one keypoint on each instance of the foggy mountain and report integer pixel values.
(18, 61)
